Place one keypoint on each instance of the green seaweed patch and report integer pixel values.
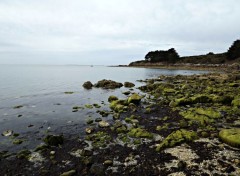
(23, 154)
(140, 133)
(202, 115)
(18, 107)
(230, 136)
(177, 137)
(17, 141)
(99, 139)
(134, 98)
(236, 102)
(69, 92)
(89, 106)
(119, 105)
(96, 105)
(112, 98)
(77, 107)
(164, 127)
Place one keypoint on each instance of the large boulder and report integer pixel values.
(108, 84)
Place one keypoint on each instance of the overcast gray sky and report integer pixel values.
(113, 31)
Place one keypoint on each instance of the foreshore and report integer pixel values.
(173, 125)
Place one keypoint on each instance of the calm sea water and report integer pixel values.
(46, 108)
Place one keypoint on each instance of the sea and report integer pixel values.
(45, 108)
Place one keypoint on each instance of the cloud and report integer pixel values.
(113, 30)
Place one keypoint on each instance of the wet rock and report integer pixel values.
(7, 133)
(126, 93)
(97, 169)
(89, 121)
(53, 140)
(18, 106)
(129, 84)
(108, 163)
(23, 154)
(69, 173)
(99, 119)
(108, 84)
(112, 98)
(118, 105)
(135, 99)
(89, 106)
(103, 124)
(17, 141)
(89, 130)
(87, 85)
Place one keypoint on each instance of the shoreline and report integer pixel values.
(171, 127)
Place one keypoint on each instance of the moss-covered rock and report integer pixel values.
(108, 84)
(177, 137)
(119, 105)
(140, 133)
(112, 98)
(129, 84)
(236, 102)
(53, 140)
(89, 106)
(134, 98)
(230, 136)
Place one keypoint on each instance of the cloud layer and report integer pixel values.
(112, 32)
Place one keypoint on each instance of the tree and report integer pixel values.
(234, 50)
(162, 56)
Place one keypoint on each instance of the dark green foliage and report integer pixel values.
(163, 56)
(234, 50)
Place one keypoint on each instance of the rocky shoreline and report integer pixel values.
(175, 125)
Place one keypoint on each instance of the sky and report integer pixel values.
(112, 32)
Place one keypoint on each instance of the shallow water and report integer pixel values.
(46, 108)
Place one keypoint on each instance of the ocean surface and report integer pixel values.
(45, 106)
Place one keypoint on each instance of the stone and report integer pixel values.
(134, 98)
(97, 169)
(103, 124)
(112, 98)
(87, 85)
(129, 84)
(108, 163)
(69, 173)
(108, 84)
(89, 130)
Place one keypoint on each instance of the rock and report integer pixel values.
(129, 84)
(118, 105)
(23, 154)
(108, 84)
(7, 133)
(230, 136)
(87, 85)
(103, 124)
(17, 141)
(89, 121)
(89, 130)
(140, 133)
(135, 99)
(99, 119)
(112, 98)
(108, 163)
(177, 137)
(97, 169)
(126, 93)
(69, 173)
(18, 106)
(53, 140)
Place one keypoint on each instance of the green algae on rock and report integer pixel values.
(177, 137)
(140, 133)
(112, 98)
(230, 136)
(108, 84)
(129, 84)
(134, 98)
